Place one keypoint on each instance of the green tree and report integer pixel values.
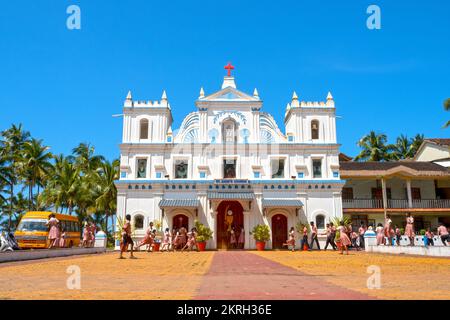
(373, 147)
(11, 145)
(106, 191)
(35, 166)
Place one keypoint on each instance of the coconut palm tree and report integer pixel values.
(416, 142)
(85, 160)
(401, 149)
(63, 187)
(447, 108)
(374, 147)
(35, 165)
(106, 190)
(11, 146)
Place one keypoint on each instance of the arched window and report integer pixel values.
(320, 221)
(229, 129)
(143, 129)
(314, 129)
(139, 222)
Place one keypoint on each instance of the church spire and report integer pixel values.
(164, 95)
(294, 96)
(329, 96)
(202, 93)
(129, 97)
(255, 93)
(295, 103)
(228, 80)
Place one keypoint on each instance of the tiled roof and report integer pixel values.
(381, 166)
(165, 203)
(231, 195)
(439, 141)
(282, 203)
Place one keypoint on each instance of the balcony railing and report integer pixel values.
(395, 203)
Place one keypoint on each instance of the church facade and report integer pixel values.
(229, 165)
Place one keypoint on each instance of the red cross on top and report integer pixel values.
(229, 67)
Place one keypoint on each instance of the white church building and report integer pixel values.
(229, 158)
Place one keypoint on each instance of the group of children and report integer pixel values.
(178, 239)
(236, 238)
(389, 232)
(89, 231)
(57, 234)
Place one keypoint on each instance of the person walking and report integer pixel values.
(126, 238)
(304, 240)
(314, 236)
(443, 233)
(344, 239)
(241, 239)
(361, 232)
(331, 234)
(148, 239)
(388, 232)
(166, 245)
(53, 234)
(409, 230)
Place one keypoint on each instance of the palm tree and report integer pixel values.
(373, 148)
(447, 108)
(35, 164)
(85, 160)
(416, 142)
(61, 190)
(11, 146)
(104, 179)
(401, 149)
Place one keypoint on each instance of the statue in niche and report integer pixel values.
(142, 168)
(229, 220)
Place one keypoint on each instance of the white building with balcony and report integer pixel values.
(229, 165)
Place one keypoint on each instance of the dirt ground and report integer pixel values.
(190, 275)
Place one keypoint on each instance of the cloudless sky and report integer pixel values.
(65, 85)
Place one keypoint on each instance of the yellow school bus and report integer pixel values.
(32, 231)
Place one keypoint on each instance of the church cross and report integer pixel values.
(229, 67)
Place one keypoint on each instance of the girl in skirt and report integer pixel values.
(345, 240)
(166, 245)
(291, 240)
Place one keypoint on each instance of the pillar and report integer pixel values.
(383, 187)
(247, 229)
(408, 191)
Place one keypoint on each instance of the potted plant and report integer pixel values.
(261, 233)
(204, 233)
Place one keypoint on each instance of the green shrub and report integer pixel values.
(204, 233)
(261, 232)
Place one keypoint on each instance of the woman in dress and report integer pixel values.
(166, 241)
(345, 240)
(241, 239)
(191, 242)
(380, 234)
(148, 239)
(183, 237)
(233, 239)
(93, 230)
(53, 233)
(86, 235)
(388, 231)
(291, 239)
(62, 239)
(409, 230)
(176, 239)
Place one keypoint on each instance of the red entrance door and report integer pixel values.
(180, 220)
(279, 231)
(224, 222)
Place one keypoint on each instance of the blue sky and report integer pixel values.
(64, 86)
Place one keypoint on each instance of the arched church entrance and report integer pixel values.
(279, 231)
(180, 220)
(229, 214)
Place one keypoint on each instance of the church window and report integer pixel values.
(317, 168)
(143, 129)
(139, 222)
(229, 131)
(277, 167)
(320, 221)
(229, 168)
(141, 168)
(314, 129)
(181, 169)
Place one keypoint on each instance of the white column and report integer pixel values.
(247, 229)
(408, 191)
(383, 187)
